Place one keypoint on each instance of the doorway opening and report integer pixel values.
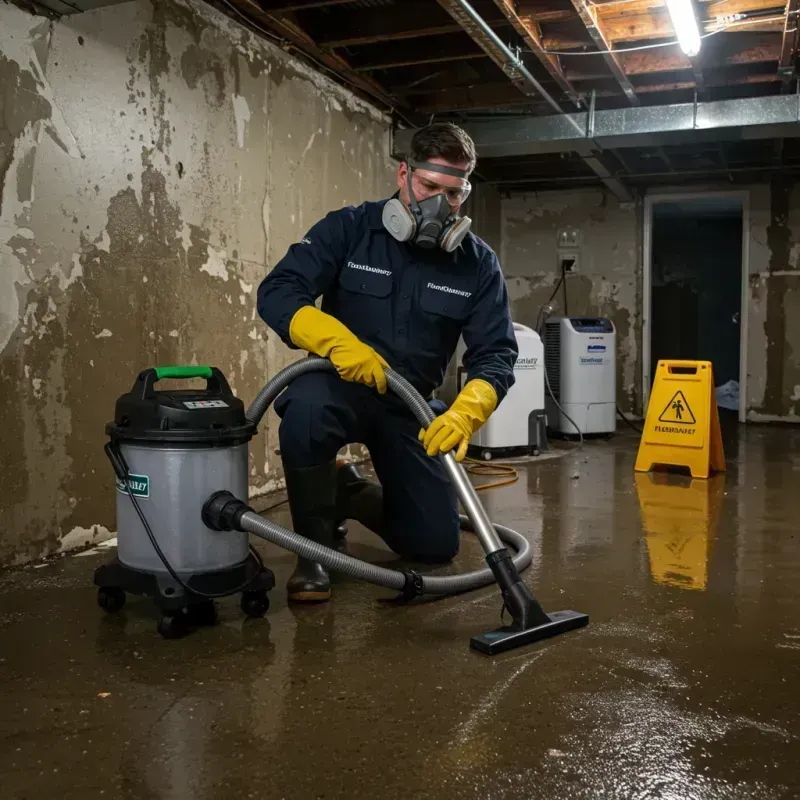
(694, 289)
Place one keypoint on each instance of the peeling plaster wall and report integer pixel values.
(155, 160)
(608, 281)
(773, 335)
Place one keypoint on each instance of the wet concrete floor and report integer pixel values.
(684, 685)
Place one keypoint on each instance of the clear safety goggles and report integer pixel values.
(428, 182)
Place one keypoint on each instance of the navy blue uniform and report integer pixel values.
(411, 305)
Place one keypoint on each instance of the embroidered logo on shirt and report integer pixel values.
(305, 240)
(449, 290)
(367, 268)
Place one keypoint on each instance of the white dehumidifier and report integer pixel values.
(519, 426)
(580, 356)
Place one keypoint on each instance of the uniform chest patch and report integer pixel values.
(449, 290)
(367, 268)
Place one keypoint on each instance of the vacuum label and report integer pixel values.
(205, 404)
(596, 348)
(591, 361)
(139, 485)
(526, 363)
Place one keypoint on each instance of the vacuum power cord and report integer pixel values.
(629, 422)
(505, 472)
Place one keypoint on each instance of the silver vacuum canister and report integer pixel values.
(181, 446)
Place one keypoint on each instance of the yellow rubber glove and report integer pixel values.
(453, 429)
(325, 336)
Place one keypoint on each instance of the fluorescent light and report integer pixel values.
(685, 24)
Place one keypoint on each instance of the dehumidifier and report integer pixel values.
(519, 427)
(580, 357)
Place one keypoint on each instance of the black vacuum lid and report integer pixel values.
(213, 415)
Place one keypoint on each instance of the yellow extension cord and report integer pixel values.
(505, 472)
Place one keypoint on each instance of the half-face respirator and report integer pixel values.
(429, 222)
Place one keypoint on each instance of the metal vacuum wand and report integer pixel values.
(530, 621)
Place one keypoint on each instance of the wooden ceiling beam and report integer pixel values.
(708, 10)
(724, 8)
(412, 62)
(731, 52)
(594, 28)
(527, 28)
(711, 81)
(301, 41)
(481, 96)
(654, 25)
(395, 35)
(789, 45)
(282, 7)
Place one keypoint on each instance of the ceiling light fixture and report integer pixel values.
(684, 22)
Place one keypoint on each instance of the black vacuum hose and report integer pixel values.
(390, 578)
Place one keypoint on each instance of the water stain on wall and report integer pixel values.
(150, 252)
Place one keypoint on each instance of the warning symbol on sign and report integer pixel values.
(678, 410)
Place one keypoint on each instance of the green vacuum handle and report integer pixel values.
(147, 378)
(183, 372)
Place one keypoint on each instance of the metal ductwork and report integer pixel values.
(648, 126)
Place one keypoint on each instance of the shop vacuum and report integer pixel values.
(181, 462)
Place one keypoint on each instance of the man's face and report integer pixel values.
(427, 183)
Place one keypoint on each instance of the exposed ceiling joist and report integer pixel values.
(377, 36)
(294, 34)
(710, 81)
(741, 50)
(283, 7)
(789, 43)
(527, 28)
(595, 30)
(478, 96)
(410, 62)
(485, 96)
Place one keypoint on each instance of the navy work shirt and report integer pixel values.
(409, 304)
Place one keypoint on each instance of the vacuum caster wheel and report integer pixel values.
(204, 613)
(173, 626)
(255, 604)
(111, 599)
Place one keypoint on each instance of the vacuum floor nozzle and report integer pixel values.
(510, 636)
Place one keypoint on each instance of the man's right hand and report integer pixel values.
(325, 336)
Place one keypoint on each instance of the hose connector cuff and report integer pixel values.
(223, 511)
(413, 586)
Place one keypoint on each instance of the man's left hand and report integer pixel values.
(453, 429)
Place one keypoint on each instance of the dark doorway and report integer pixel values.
(696, 279)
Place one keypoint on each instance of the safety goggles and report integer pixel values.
(428, 177)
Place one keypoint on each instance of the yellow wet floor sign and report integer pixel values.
(682, 424)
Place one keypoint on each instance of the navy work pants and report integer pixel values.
(320, 413)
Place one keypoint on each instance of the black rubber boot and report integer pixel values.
(359, 499)
(312, 501)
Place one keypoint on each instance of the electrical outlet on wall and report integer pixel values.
(569, 238)
(568, 262)
(569, 247)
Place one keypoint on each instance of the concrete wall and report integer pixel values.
(155, 160)
(773, 345)
(609, 280)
